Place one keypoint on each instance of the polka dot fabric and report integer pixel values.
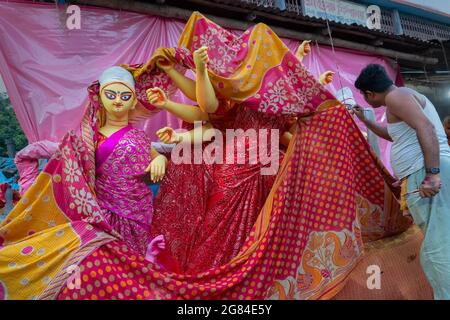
(304, 244)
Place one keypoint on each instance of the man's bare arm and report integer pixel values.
(379, 129)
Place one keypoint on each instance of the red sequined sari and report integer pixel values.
(206, 211)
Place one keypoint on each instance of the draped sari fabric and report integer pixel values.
(27, 161)
(121, 191)
(255, 69)
(206, 211)
(56, 223)
(329, 195)
(47, 103)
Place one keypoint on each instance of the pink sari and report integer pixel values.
(125, 199)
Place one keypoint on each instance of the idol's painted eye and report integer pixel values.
(110, 95)
(125, 96)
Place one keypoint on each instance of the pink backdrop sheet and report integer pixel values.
(46, 67)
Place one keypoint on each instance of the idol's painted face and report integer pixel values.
(117, 98)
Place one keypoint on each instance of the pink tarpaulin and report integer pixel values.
(46, 67)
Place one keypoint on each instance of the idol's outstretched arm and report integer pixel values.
(303, 50)
(185, 84)
(198, 135)
(188, 113)
(206, 96)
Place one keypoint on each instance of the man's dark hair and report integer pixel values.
(446, 120)
(373, 78)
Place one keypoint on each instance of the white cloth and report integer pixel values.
(406, 153)
(117, 74)
(372, 138)
(345, 96)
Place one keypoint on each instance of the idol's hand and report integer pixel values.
(157, 97)
(164, 65)
(303, 49)
(326, 77)
(430, 186)
(157, 168)
(201, 58)
(168, 135)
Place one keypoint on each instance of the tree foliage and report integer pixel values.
(9, 127)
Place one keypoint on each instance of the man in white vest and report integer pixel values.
(420, 158)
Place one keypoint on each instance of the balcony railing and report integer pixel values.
(412, 26)
(294, 6)
(262, 3)
(387, 21)
(421, 28)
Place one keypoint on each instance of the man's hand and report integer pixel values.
(157, 168)
(359, 112)
(164, 65)
(157, 97)
(377, 128)
(201, 58)
(430, 186)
